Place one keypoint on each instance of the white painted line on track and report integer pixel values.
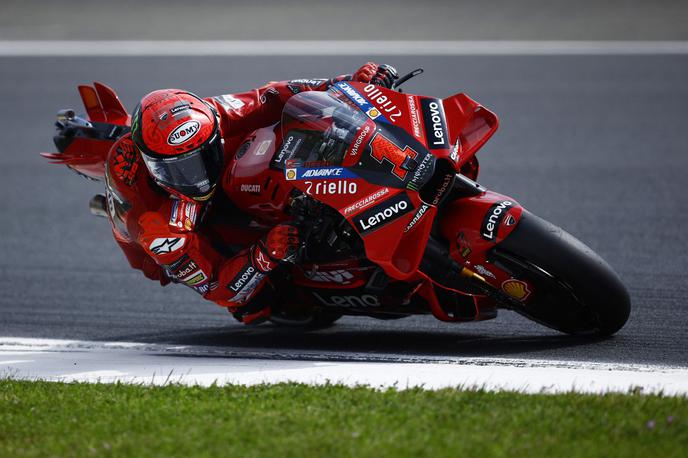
(336, 48)
(158, 364)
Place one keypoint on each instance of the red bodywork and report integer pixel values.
(439, 135)
(87, 155)
(398, 247)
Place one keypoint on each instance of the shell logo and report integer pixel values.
(290, 174)
(516, 289)
(373, 113)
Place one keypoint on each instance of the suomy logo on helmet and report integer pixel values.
(183, 133)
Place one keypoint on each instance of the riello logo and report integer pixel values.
(183, 133)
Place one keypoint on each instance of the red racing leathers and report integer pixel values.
(167, 239)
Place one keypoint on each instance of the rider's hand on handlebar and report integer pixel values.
(280, 245)
(385, 76)
(365, 73)
(381, 75)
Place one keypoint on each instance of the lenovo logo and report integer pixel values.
(384, 213)
(493, 217)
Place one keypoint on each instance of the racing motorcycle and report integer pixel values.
(383, 185)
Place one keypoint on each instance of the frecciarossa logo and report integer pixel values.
(383, 214)
(493, 219)
(184, 132)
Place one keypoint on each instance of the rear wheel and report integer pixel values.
(317, 319)
(575, 290)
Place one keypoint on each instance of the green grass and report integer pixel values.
(54, 419)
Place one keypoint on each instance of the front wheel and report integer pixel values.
(575, 290)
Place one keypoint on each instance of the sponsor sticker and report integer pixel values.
(421, 171)
(242, 278)
(443, 188)
(384, 213)
(184, 270)
(341, 277)
(245, 282)
(179, 108)
(166, 245)
(196, 279)
(183, 133)
(308, 82)
(328, 188)
(417, 217)
(463, 246)
(482, 270)
(516, 289)
(202, 289)
(454, 155)
(361, 301)
(320, 173)
(415, 117)
(373, 113)
(252, 188)
(176, 264)
(362, 134)
(383, 103)
(263, 147)
(366, 201)
(229, 101)
(493, 218)
(435, 123)
(357, 98)
(184, 214)
(290, 146)
(270, 92)
(262, 261)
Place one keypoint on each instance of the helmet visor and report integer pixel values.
(193, 174)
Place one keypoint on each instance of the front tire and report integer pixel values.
(575, 290)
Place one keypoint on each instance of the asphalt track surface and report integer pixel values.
(597, 145)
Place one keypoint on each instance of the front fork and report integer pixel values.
(470, 224)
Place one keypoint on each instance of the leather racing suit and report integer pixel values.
(165, 237)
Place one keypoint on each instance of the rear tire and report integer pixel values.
(575, 290)
(316, 320)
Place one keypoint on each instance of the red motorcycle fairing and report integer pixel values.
(470, 127)
(249, 181)
(475, 225)
(84, 143)
(103, 105)
(347, 274)
(377, 179)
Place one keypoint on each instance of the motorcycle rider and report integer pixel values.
(161, 178)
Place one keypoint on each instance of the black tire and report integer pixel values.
(576, 291)
(316, 320)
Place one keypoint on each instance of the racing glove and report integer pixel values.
(366, 73)
(385, 76)
(279, 246)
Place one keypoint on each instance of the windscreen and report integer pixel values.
(317, 129)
